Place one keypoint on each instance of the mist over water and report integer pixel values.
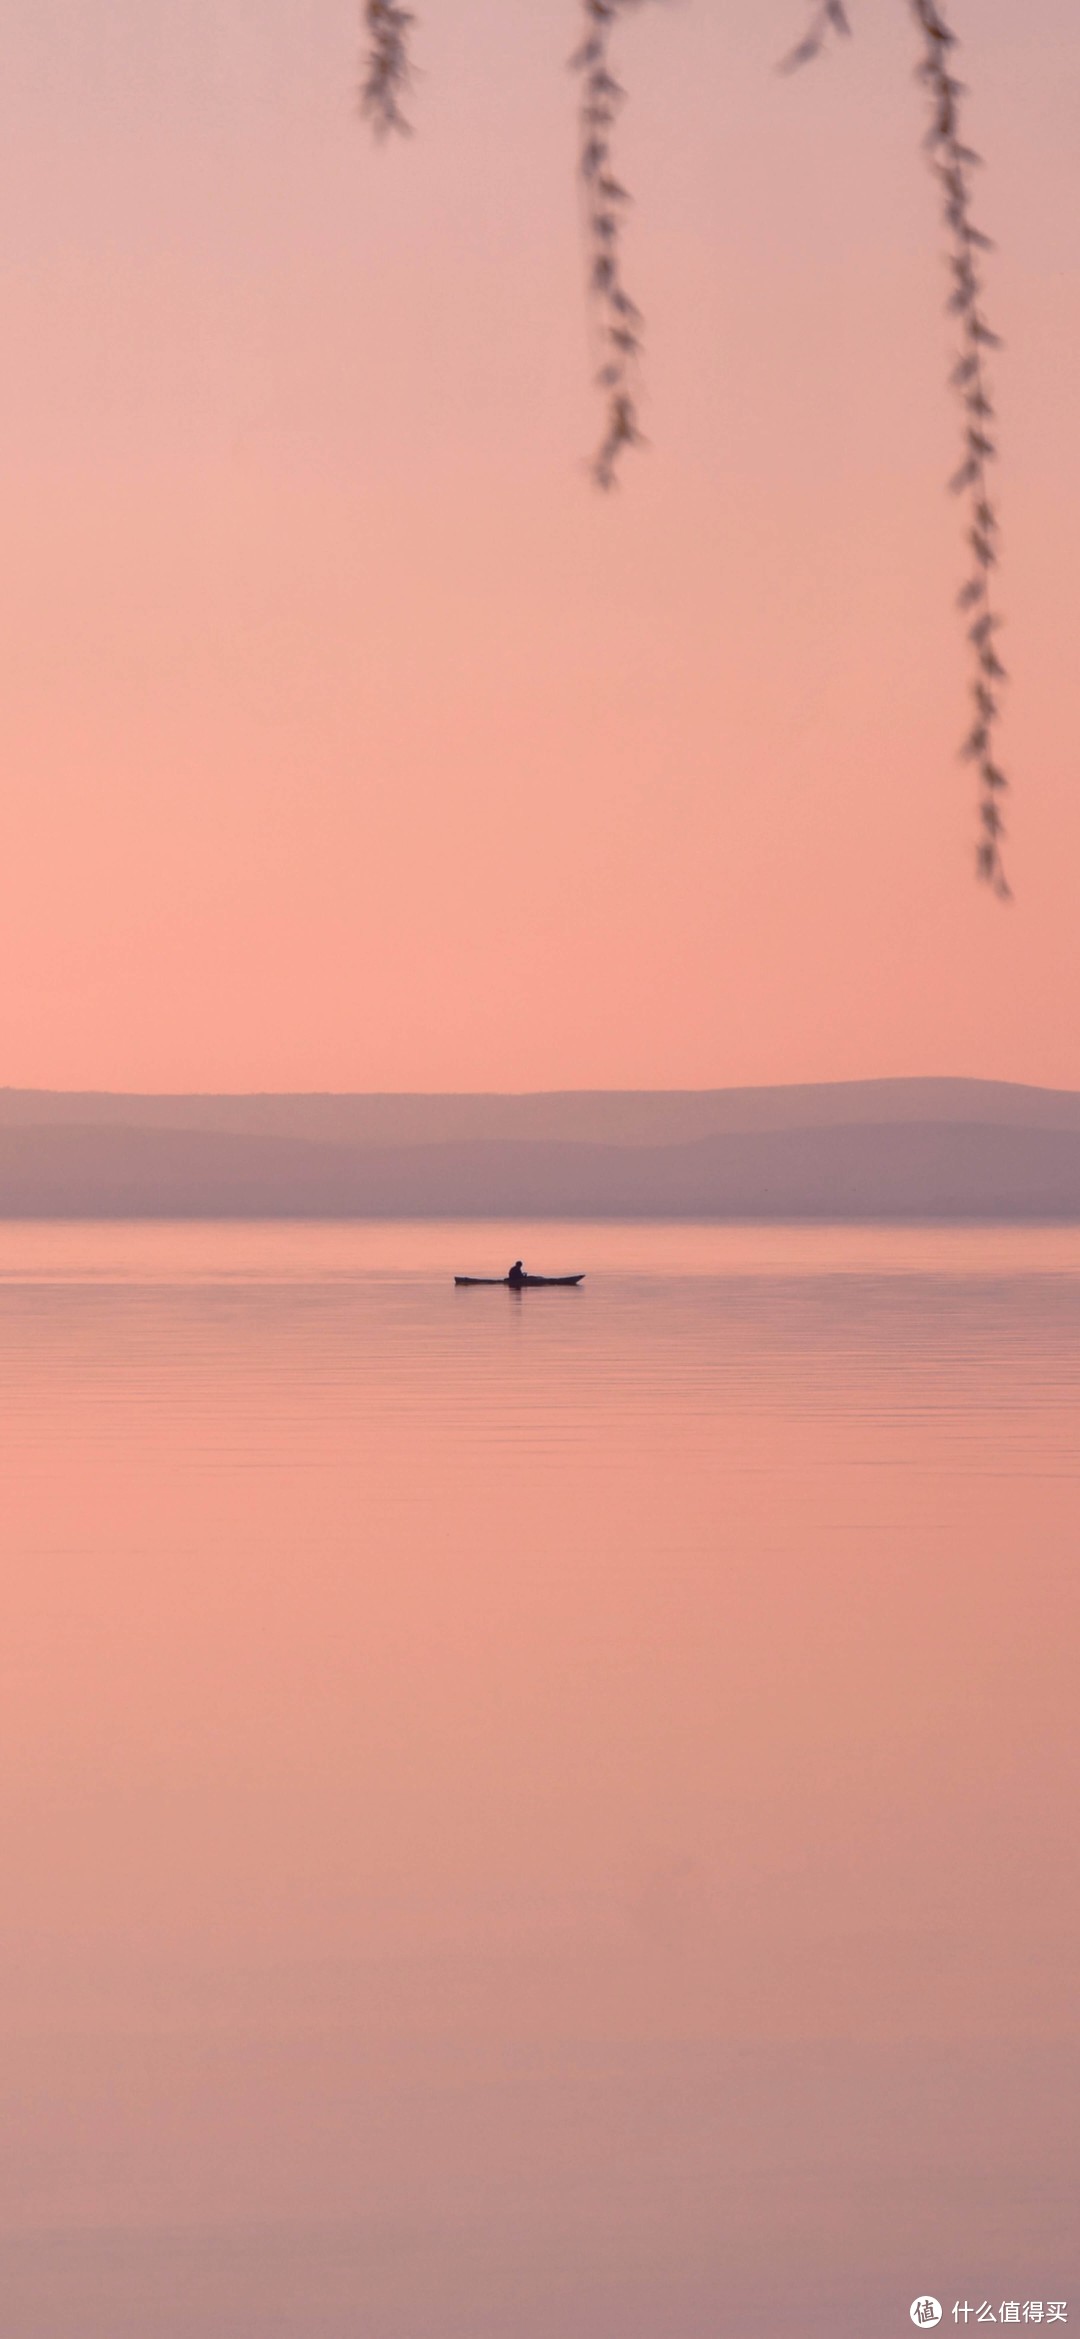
(543, 1814)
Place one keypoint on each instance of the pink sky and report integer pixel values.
(349, 740)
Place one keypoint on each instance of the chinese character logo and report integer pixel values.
(926, 2312)
(1013, 2310)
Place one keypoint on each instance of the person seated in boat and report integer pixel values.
(516, 1276)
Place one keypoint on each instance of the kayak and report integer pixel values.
(527, 1283)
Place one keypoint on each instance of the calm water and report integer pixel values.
(541, 1816)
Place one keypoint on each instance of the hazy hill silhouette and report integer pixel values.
(854, 1150)
(573, 1116)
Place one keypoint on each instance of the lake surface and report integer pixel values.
(542, 1816)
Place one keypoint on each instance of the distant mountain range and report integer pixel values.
(908, 1149)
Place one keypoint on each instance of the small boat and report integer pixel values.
(521, 1283)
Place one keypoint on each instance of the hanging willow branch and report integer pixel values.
(604, 200)
(952, 163)
(829, 18)
(618, 320)
(386, 74)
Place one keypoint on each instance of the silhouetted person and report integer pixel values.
(516, 1276)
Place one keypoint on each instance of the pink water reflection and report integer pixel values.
(549, 1815)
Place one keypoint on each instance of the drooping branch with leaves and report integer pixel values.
(953, 163)
(604, 200)
(829, 18)
(617, 320)
(386, 75)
